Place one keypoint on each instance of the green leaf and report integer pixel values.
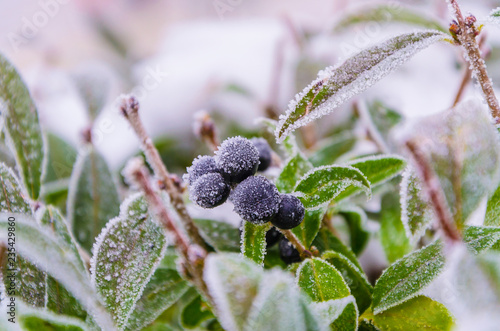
(321, 281)
(93, 198)
(464, 151)
(220, 235)
(164, 289)
(40, 245)
(383, 118)
(385, 13)
(326, 241)
(289, 144)
(337, 84)
(416, 212)
(126, 255)
(354, 277)
(31, 284)
(338, 314)
(332, 148)
(60, 160)
(495, 12)
(12, 197)
(248, 298)
(407, 276)
(58, 299)
(308, 229)
(392, 232)
(356, 221)
(492, 217)
(418, 313)
(481, 238)
(31, 319)
(321, 185)
(253, 241)
(195, 313)
(233, 283)
(278, 305)
(22, 128)
(296, 167)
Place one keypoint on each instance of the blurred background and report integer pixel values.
(236, 59)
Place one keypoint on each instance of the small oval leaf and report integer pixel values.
(337, 84)
(321, 185)
(253, 241)
(407, 276)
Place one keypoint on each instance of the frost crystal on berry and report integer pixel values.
(201, 165)
(264, 153)
(256, 199)
(209, 191)
(237, 158)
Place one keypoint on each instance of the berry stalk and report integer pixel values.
(130, 110)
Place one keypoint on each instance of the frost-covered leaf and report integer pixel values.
(31, 319)
(233, 283)
(354, 277)
(296, 167)
(463, 147)
(126, 254)
(58, 299)
(356, 221)
(31, 284)
(279, 305)
(407, 276)
(195, 313)
(22, 128)
(93, 87)
(253, 241)
(12, 197)
(390, 13)
(492, 217)
(377, 170)
(61, 157)
(338, 314)
(337, 84)
(248, 298)
(418, 313)
(41, 246)
(93, 198)
(326, 241)
(308, 229)
(392, 232)
(332, 148)
(493, 18)
(321, 281)
(220, 235)
(164, 289)
(481, 238)
(321, 185)
(416, 211)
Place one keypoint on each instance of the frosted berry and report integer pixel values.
(290, 212)
(201, 165)
(272, 237)
(264, 153)
(210, 190)
(256, 199)
(288, 253)
(237, 158)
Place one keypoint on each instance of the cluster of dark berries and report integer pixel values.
(256, 199)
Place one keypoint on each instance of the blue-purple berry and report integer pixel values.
(265, 153)
(209, 191)
(237, 159)
(291, 212)
(202, 165)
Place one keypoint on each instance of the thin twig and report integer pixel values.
(467, 75)
(193, 255)
(130, 110)
(467, 38)
(433, 188)
(303, 251)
